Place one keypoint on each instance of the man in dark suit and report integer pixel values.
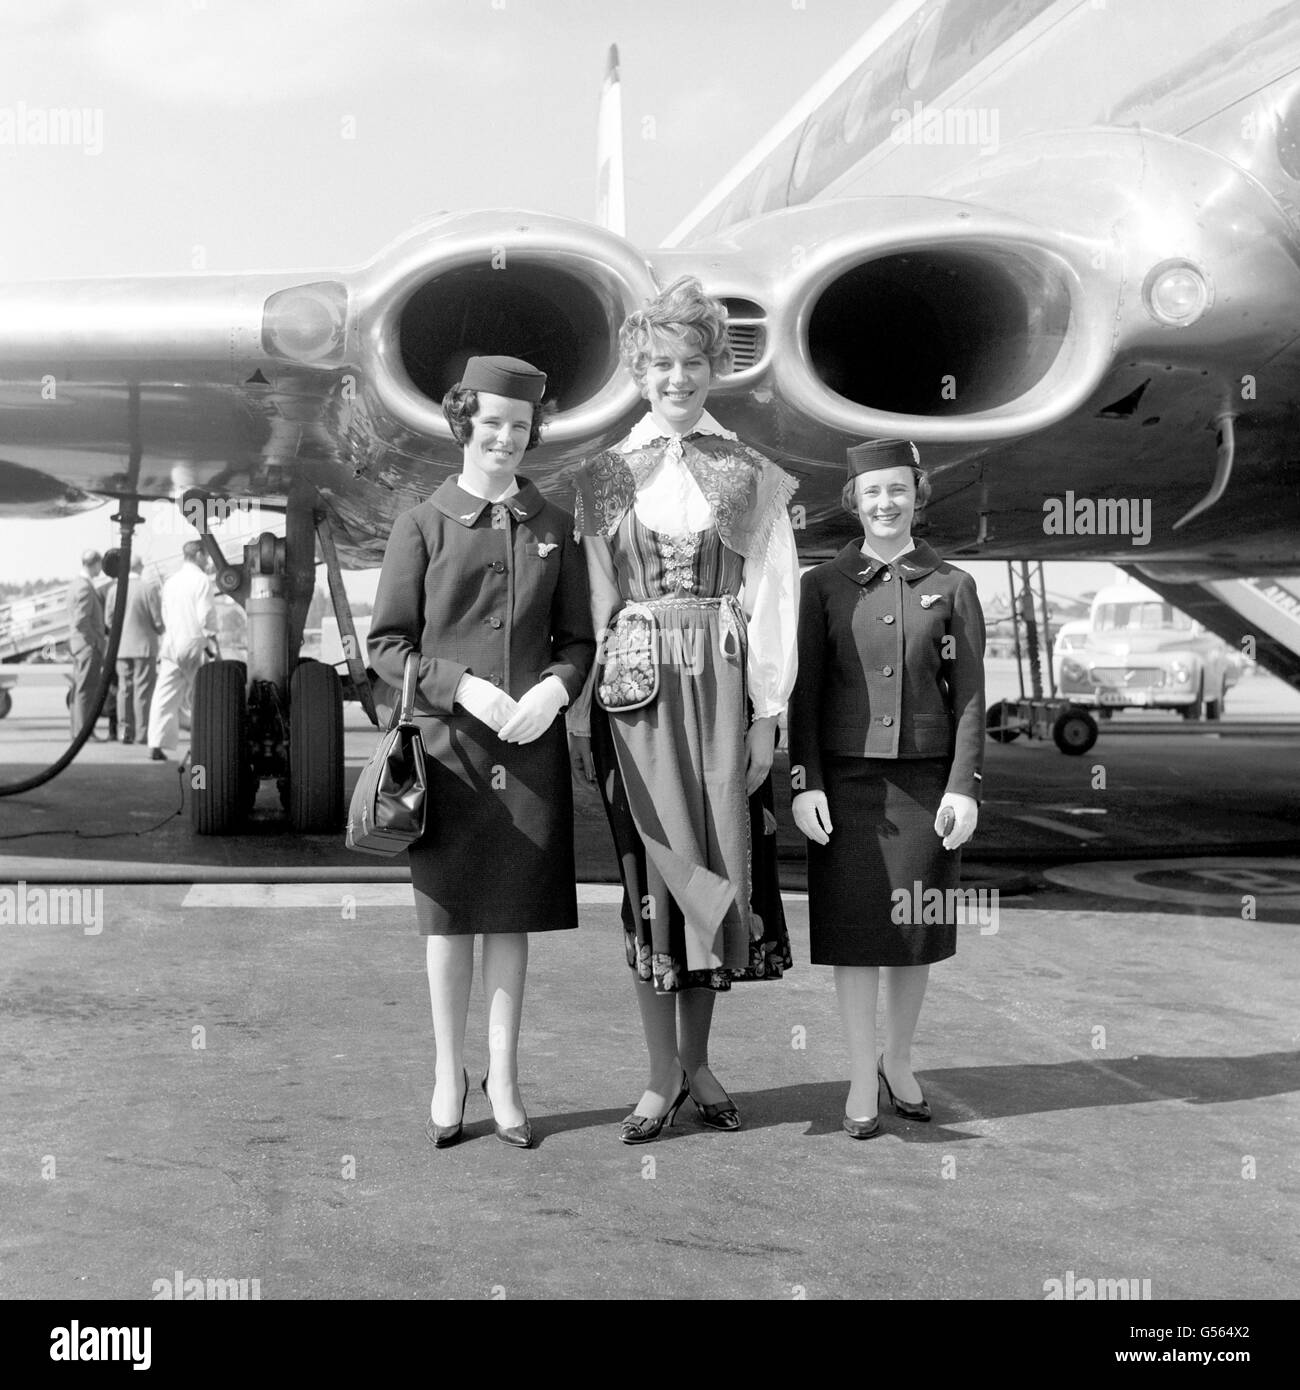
(137, 651)
(87, 639)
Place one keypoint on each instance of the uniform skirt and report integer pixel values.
(870, 898)
(497, 852)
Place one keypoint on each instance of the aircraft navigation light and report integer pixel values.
(1177, 293)
(306, 323)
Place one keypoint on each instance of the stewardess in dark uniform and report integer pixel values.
(886, 739)
(485, 581)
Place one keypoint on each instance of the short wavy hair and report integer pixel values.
(683, 311)
(924, 491)
(460, 406)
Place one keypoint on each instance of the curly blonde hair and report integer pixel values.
(683, 311)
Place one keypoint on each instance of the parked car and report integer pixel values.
(1070, 637)
(1140, 652)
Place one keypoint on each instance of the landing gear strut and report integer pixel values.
(272, 717)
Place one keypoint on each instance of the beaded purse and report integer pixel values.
(629, 675)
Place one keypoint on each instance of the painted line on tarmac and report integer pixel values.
(1077, 831)
(269, 896)
(1209, 883)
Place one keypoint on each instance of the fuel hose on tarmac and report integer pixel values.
(128, 521)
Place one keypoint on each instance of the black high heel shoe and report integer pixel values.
(720, 1114)
(860, 1129)
(902, 1107)
(518, 1136)
(444, 1136)
(641, 1129)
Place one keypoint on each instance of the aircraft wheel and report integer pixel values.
(1075, 731)
(995, 722)
(315, 748)
(6, 701)
(219, 749)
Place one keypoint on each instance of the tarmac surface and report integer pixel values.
(223, 1067)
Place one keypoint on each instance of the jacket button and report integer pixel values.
(886, 719)
(888, 670)
(886, 576)
(888, 618)
(494, 678)
(498, 567)
(495, 622)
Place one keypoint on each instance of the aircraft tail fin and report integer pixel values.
(610, 211)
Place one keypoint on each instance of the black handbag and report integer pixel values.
(388, 805)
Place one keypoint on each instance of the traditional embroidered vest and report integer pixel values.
(746, 492)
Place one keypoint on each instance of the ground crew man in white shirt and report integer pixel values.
(189, 616)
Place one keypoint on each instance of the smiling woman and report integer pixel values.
(685, 528)
(886, 746)
(484, 582)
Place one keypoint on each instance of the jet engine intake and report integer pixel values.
(940, 332)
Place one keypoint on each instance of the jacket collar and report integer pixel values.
(452, 500)
(862, 569)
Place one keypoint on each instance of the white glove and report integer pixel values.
(484, 701)
(966, 812)
(535, 712)
(812, 814)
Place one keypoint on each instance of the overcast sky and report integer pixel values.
(233, 135)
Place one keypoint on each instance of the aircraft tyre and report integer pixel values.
(219, 748)
(995, 724)
(315, 748)
(1075, 730)
(6, 702)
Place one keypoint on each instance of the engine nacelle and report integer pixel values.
(546, 289)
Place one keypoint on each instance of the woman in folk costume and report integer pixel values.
(688, 542)
(483, 580)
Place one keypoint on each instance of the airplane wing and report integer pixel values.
(330, 383)
(1054, 242)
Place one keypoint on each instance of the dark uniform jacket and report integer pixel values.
(506, 603)
(85, 616)
(891, 665)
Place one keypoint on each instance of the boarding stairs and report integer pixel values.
(1259, 617)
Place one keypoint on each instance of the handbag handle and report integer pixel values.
(410, 683)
